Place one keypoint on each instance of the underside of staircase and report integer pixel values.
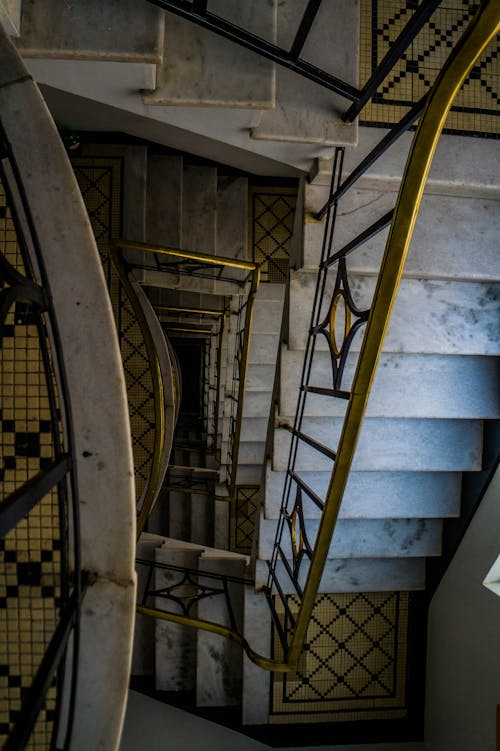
(182, 140)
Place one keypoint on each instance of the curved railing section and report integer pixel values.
(296, 558)
(232, 276)
(66, 505)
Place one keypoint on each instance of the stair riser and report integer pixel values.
(366, 538)
(357, 575)
(390, 445)
(429, 317)
(467, 240)
(440, 386)
(375, 495)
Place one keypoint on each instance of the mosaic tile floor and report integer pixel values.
(30, 554)
(353, 665)
(476, 109)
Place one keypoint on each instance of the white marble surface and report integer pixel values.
(219, 660)
(376, 494)
(199, 209)
(393, 444)
(107, 622)
(204, 69)
(89, 29)
(366, 538)
(304, 111)
(429, 316)
(164, 200)
(256, 682)
(442, 386)
(455, 237)
(359, 575)
(232, 216)
(175, 643)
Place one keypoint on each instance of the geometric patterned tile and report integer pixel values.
(476, 108)
(353, 666)
(272, 215)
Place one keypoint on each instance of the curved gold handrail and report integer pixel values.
(479, 33)
(484, 26)
(156, 377)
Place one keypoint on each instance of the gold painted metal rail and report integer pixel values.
(207, 261)
(480, 32)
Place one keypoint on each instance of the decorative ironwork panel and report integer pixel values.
(353, 665)
(476, 109)
(37, 510)
(272, 219)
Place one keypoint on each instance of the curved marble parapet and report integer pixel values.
(95, 382)
(177, 377)
(168, 376)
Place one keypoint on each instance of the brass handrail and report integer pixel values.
(157, 381)
(209, 260)
(479, 33)
(242, 378)
(484, 26)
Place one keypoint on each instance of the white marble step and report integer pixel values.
(143, 657)
(462, 165)
(390, 444)
(184, 283)
(232, 216)
(376, 495)
(259, 377)
(358, 575)
(267, 315)
(135, 169)
(257, 404)
(199, 209)
(203, 69)
(444, 386)
(253, 429)
(164, 201)
(219, 660)
(263, 349)
(365, 538)
(304, 111)
(250, 474)
(429, 316)
(467, 240)
(175, 644)
(119, 30)
(256, 682)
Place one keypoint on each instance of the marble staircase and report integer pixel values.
(437, 380)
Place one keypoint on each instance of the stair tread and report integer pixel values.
(200, 68)
(376, 495)
(119, 30)
(393, 444)
(430, 316)
(441, 386)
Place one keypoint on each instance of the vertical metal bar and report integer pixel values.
(304, 28)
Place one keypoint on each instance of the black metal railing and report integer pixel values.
(40, 573)
(297, 560)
